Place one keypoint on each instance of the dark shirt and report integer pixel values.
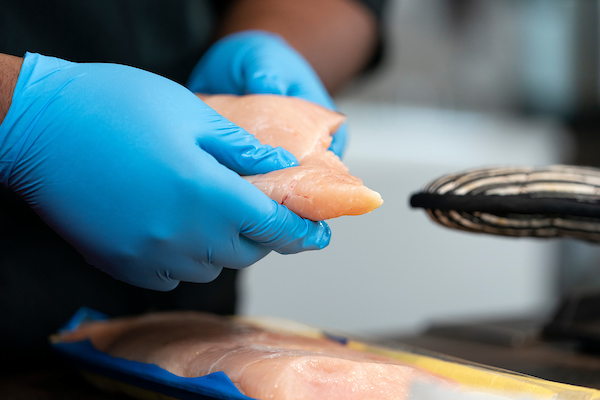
(164, 37)
(43, 280)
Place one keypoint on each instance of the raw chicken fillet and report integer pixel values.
(263, 364)
(321, 186)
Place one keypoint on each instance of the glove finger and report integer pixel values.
(239, 252)
(208, 75)
(272, 84)
(167, 270)
(153, 283)
(258, 225)
(197, 81)
(264, 78)
(287, 233)
(240, 151)
(264, 223)
(264, 83)
(340, 141)
(189, 270)
(314, 92)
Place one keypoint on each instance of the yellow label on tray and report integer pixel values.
(486, 379)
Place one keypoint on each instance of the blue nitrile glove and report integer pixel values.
(261, 62)
(140, 176)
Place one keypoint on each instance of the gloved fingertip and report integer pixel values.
(323, 235)
(170, 286)
(340, 141)
(164, 281)
(260, 83)
(338, 146)
(161, 284)
(197, 81)
(317, 238)
(283, 157)
(266, 159)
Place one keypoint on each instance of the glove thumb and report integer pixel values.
(241, 152)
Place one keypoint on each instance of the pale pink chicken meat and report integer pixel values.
(262, 364)
(321, 187)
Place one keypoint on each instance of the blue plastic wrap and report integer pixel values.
(141, 375)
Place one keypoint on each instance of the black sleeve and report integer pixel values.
(164, 37)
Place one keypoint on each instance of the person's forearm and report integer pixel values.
(338, 37)
(10, 67)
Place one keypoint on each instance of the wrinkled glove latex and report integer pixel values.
(261, 63)
(140, 176)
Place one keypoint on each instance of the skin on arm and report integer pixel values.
(337, 37)
(10, 67)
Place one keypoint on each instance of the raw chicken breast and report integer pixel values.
(321, 187)
(263, 364)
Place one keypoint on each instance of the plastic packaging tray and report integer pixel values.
(148, 381)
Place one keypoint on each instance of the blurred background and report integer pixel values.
(463, 84)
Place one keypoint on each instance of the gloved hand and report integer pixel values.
(261, 62)
(140, 176)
